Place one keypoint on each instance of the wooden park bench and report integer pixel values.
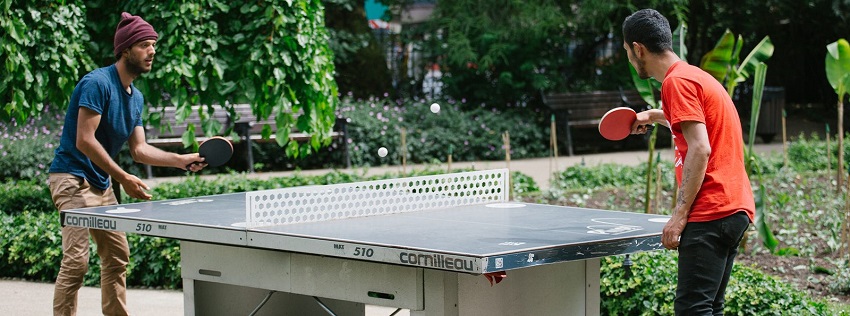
(245, 125)
(585, 109)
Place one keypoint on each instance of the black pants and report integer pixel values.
(706, 253)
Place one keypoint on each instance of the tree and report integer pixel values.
(274, 56)
(359, 59)
(43, 51)
(498, 51)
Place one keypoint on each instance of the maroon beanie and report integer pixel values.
(132, 29)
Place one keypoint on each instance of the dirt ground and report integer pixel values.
(798, 271)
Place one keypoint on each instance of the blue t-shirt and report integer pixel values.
(102, 92)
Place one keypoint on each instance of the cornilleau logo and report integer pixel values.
(91, 222)
(436, 261)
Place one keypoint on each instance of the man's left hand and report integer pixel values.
(672, 231)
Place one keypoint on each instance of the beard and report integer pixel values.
(641, 69)
(137, 66)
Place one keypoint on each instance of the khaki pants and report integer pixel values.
(70, 192)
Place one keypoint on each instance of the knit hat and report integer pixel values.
(132, 29)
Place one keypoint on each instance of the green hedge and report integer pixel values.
(19, 196)
(31, 248)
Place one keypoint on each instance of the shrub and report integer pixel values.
(31, 248)
(648, 289)
(474, 133)
(522, 184)
(609, 175)
(30, 245)
(19, 196)
(651, 287)
(26, 148)
(751, 292)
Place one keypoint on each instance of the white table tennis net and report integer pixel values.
(380, 197)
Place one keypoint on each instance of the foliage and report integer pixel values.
(472, 134)
(359, 57)
(496, 59)
(43, 49)
(26, 146)
(30, 245)
(806, 153)
(522, 184)
(647, 289)
(789, 24)
(805, 211)
(154, 262)
(838, 67)
(18, 196)
(723, 62)
(375, 122)
(803, 207)
(751, 292)
(802, 203)
(279, 61)
(841, 282)
(606, 175)
(838, 74)
(650, 287)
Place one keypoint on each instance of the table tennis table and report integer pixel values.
(427, 244)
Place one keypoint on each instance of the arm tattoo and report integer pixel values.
(685, 178)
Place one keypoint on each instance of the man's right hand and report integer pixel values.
(135, 187)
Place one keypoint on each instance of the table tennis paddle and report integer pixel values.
(617, 123)
(215, 150)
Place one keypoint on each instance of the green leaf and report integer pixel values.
(758, 90)
(267, 131)
(292, 149)
(761, 53)
(212, 127)
(189, 137)
(18, 31)
(203, 80)
(282, 136)
(645, 87)
(679, 37)
(838, 66)
(766, 235)
(718, 61)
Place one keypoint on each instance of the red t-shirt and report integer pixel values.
(690, 94)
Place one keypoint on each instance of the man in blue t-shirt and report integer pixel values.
(104, 113)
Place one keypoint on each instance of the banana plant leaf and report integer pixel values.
(679, 41)
(838, 66)
(645, 87)
(766, 235)
(761, 53)
(720, 61)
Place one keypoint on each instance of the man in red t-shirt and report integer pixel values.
(715, 203)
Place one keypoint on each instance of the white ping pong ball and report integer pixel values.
(435, 107)
(382, 151)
